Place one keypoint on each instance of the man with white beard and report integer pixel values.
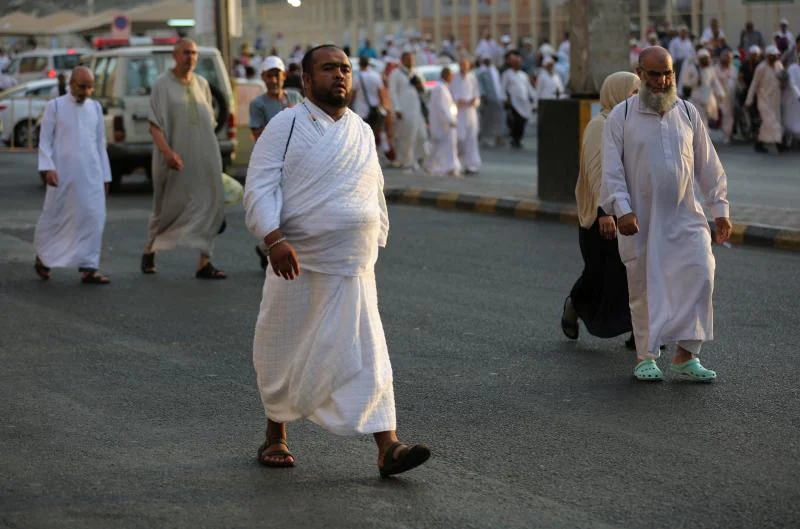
(656, 149)
(727, 75)
(766, 89)
(466, 93)
(409, 123)
(443, 158)
(706, 90)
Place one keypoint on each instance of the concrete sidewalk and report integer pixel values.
(764, 191)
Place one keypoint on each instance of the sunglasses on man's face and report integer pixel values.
(655, 75)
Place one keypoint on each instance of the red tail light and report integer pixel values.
(231, 125)
(119, 129)
(3, 107)
(52, 74)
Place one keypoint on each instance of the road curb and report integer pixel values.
(743, 234)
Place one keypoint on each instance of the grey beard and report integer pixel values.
(658, 102)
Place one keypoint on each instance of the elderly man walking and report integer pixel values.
(521, 98)
(72, 154)
(466, 93)
(656, 148)
(766, 89)
(443, 158)
(409, 122)
(188, 201)
(314, 194)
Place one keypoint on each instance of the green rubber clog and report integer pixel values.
(648, 370)
(694, 370)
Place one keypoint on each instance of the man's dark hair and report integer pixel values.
(445, 72)
(363, 62)
(307, 63)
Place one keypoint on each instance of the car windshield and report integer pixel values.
(66, 62)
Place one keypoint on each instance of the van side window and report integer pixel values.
(141, 73)
(100, 74)
(111, 75)
(207, 68)
(32, 64)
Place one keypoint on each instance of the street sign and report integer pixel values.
(121, 26)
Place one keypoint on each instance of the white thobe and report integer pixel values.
(791, 101)
(467, 95)
(651, 165)
(319, 350)
(409, 132)
(727, 77)
(706, 90)
(681, 49)
(368, 85)
(521, 95)
(72, 143)
(549, 85)
(443, 114)
(767, 89)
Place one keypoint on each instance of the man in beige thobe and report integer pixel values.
(188, 200)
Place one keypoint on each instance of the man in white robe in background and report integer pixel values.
(521, 99)
(493, 100)
(314, 194)
(466, 93)
(443, 157)
(706, 89)
(409, 123)
(548, 83)
(790, 108)
(72, 154)
(727, 75)
(656, 149)
(767, 90)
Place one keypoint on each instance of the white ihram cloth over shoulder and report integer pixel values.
(73, 144)
(319, 350)
(650, 167)
(465, 88)
(443, 114)
(767, 90)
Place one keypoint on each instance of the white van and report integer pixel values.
(45, 63)
(123, 81)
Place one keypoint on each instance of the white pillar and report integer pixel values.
(553, 29)
(696, 17)
(403, 16)
(514, 27)
(644, 16)
(437, 23)
(388, 27)
(668, 11)
(493, 20)
(419, 17)
(454, 22)
(536, 21)
(354, 26)
(371, 23)
(473, 24)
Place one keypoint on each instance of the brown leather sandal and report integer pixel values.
(263, 452)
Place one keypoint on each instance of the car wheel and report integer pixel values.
(220, 105)
(25, 132)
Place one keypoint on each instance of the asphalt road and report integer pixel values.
(134, 405)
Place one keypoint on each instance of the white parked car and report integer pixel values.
(20, 110)
(44, 63)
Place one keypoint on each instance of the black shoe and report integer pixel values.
(630, 343)
(570, 328)
(263, 257)
(760, 147)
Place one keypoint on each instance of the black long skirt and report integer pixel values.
(600, 295)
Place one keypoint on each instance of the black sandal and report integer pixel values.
(410, 457)
(41, 270)
(570, 329)
(148, 265)
(209, 272)
(94, 278)
(263, 452)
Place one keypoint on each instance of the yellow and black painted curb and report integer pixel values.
(743, 234)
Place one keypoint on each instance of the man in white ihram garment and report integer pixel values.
(790, 109)
(766, 89)
(314, 194)
(521, 98)
(409, 123)
(443, 157)
(467, 95)
(656, 148)
(727, 75)
(72, 154)
(707, 92)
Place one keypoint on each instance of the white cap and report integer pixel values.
(703, 53)
(784, 21)
(271, 63)
(548, 60)
(505, 39)
(754, 49)
(772, 50)
(546, 49)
